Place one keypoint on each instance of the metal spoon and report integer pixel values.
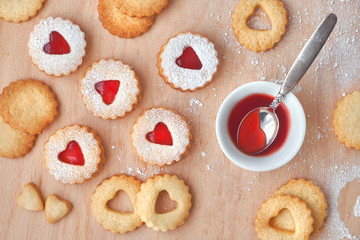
(269, 122)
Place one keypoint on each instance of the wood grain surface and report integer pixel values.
(225, 197)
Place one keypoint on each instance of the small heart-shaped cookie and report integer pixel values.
(56, 208)
(30, 198)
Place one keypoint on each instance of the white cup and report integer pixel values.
(292, 143)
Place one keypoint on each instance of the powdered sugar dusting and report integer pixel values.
(57, 64)
(338, 177)
(189, 79)
(156, 153)
(357, 207)
(195, 104)
(127, 94)
(68, 173)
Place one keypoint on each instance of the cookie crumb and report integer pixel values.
(208, 167)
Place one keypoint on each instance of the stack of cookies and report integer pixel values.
(26, 108)
(129, 18)
(296, 209)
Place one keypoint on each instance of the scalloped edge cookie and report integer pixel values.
(28, 105)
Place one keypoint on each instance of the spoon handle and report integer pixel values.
(306, 57)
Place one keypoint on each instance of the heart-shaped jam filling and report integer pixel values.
(161, 135)
(108, 90)
(251, 138)
(72, 154)
(57, 45)
(189, 59)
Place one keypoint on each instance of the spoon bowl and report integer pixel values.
(269, 127)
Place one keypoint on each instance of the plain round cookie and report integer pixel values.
(57, 64)
(19, 10)
(146, 201)
(346, 120)
(140, 8)
(91, 148)
(28, 105)
(311, 195)
(157, 154)
(127, 96)
(113, 220)
(13, 142)
(271, 208)
(187, 79)
(120, 24)
(259, 40)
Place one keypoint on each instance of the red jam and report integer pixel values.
(189, 59)
(249, 103)
(251, 138)
(160, 135)
(72, 154)
(57, 45)
(108, 90)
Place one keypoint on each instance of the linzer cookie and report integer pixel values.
(120, 24)
(19, 10)
(73, 154)
(187, 62)
(140, 8)
(110, 89)
(111, 219)
(57, 46)
(271, 207)
(148, 195)
(346, 120)
(28, 105)
(309, 193)
(259, 40)
(160, 136)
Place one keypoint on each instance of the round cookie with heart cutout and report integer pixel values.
(160, 136)
(110, 89)
(187, 61)
(73, 154)
(57, 46)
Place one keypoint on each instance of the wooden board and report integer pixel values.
(225, 197)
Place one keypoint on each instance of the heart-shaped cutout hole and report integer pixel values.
(72, 154)
(108, 90)
(259, 20)
(57, 45)
(121, 202)
(284, 221)
(161, 135)
(189, 59)
(164, 204)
